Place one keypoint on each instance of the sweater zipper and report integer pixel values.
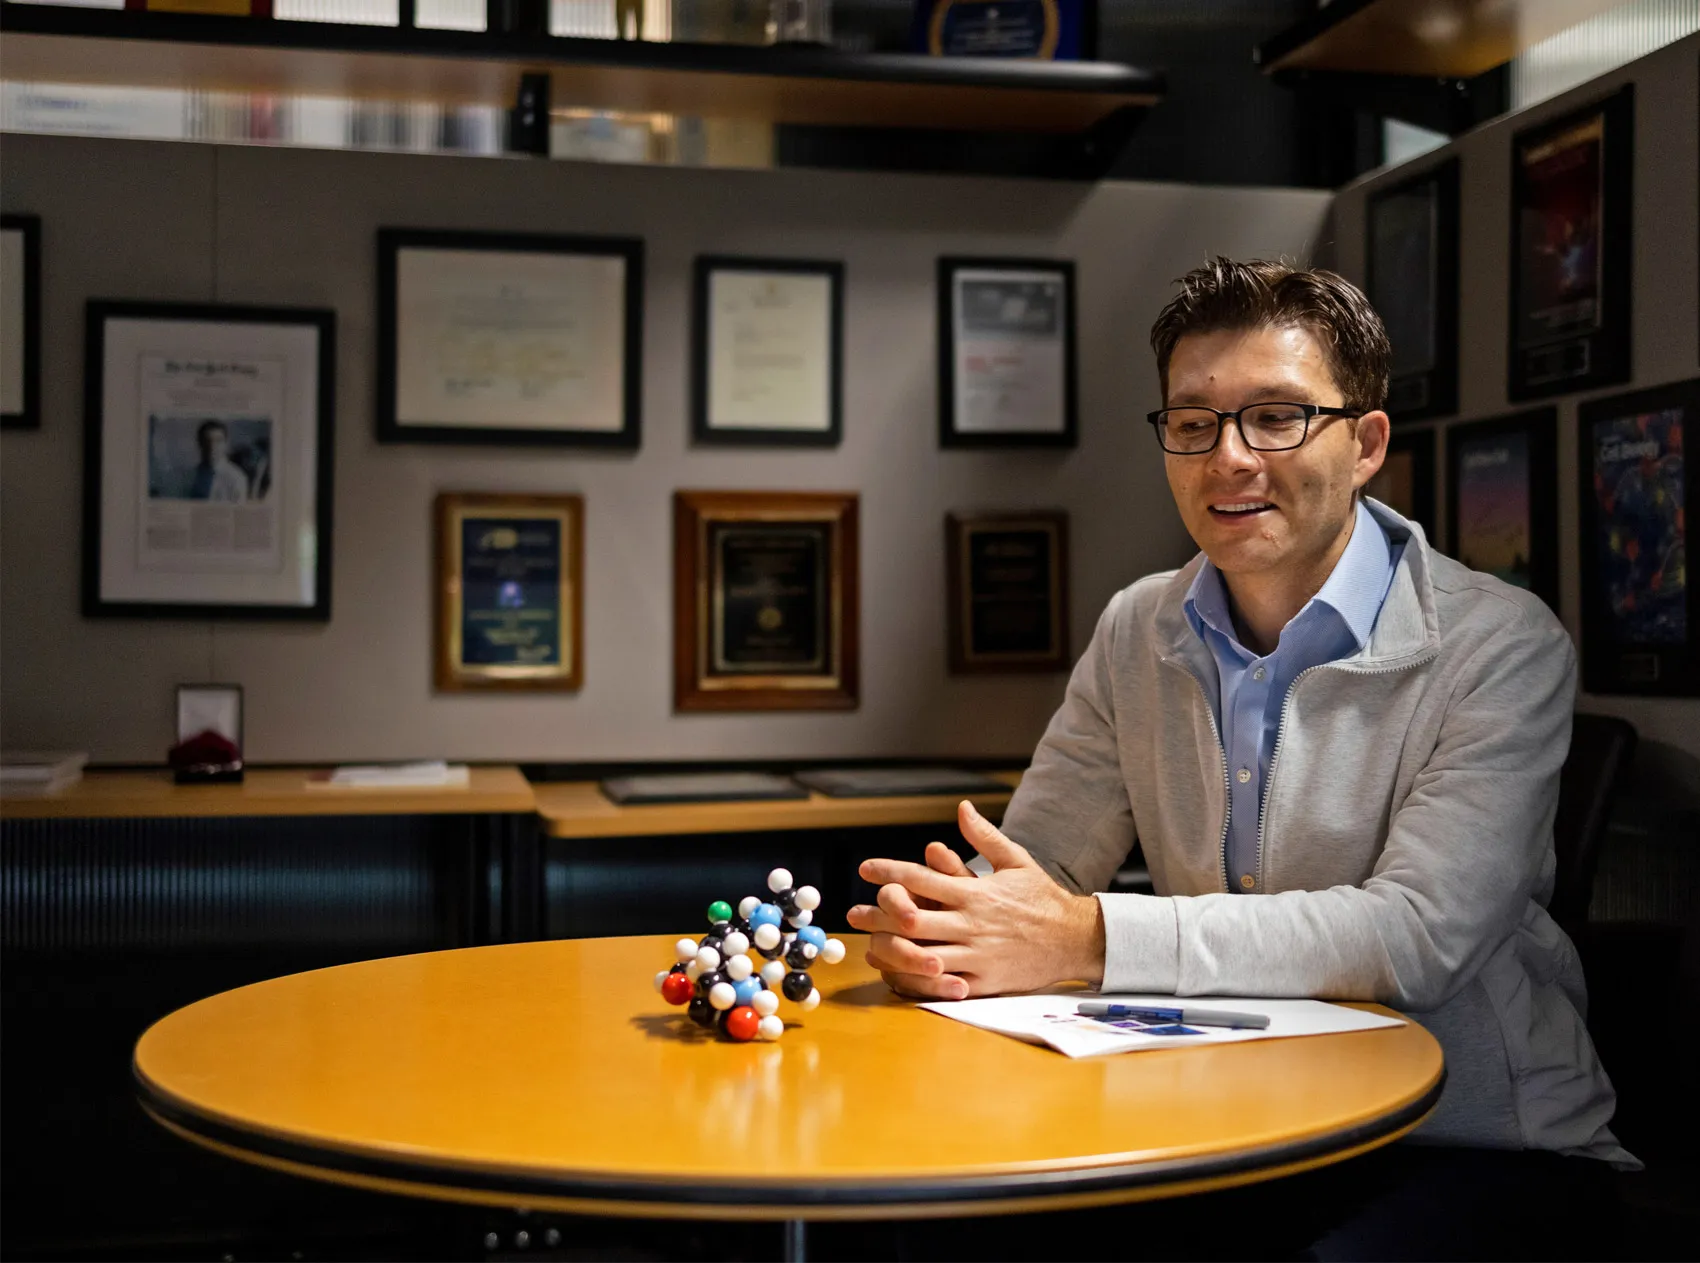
(1227, 789)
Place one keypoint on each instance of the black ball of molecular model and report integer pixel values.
(719, 983)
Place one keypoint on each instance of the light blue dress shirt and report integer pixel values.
(1250, 691)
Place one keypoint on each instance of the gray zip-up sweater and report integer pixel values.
(1406, 835)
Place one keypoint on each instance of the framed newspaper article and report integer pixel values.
(207, 461)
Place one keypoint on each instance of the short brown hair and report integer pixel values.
(1264, 293)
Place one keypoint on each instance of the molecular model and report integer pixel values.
(720, 983)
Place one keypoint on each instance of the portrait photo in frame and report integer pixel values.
(1411, 275)
(1007, 592)
(509, 338)
(1637, 488)
(20, 322)
(767, 352)
(1502, 499)
(208, 455)
(1006, 353)
(766, 600)
(1405, 482)
(1571, 256)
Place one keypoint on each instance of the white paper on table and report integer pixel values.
(1051, 1020)
(429, 774)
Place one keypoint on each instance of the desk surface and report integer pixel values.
(551, 1075)
(579, 809)
(267, 792)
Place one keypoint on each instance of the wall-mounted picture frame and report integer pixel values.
(1502, 499)
(1411, 275)
(766, 601)
(208, 450)
(1406, 480)
(1572, 206)
(767, 352)
(510, 591)
(20, 322)
(509, 338)
(1640, 607)
(1007, 592)
(1006, 353)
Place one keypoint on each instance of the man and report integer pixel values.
(1337, 749)
(217, 477)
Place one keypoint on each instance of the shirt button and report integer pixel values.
(1247, 882)
(1243, 775)
(1257, 674)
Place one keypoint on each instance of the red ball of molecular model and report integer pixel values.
(718, 982)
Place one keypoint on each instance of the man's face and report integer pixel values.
(214, 444)
(1306, 491)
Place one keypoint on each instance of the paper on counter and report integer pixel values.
(432, 774)
(1051, 1020)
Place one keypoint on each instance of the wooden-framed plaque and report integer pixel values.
(765, 600)
(1008, 586)
(1640, 613)
(510, 591)
(1570, 250)
(1411, 273)
(1502, 499)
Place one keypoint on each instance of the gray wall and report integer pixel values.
(1666, 309)
(127, 219)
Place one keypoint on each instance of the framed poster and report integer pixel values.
(1640, 614)
(509, 338)
(1570, 250)
(207, 459)
(20, 322)
(510, 591)
(1502, 499)
(1405, 481)
(765, 600)
(1006, 353)
(1007, 604)
(1411, 272)
(767, 352)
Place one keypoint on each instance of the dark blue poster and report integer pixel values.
(1639, 497)
(510, 574)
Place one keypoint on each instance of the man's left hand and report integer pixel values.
(950, 936)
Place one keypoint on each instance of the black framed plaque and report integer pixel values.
(1571, 225)
(1502, 499)
(1006, 353)
(1405, 481)
(765, 600)
(1008, 585)
(20, 322)
(1640, 612)
(510, 591)
(1411, 273)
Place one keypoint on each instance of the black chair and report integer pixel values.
(1600, 750)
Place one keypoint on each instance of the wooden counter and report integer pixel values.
(578, 809)
(268, 792)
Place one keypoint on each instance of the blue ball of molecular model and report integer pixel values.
(722, 988)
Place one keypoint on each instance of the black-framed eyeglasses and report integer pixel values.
(1265, 427)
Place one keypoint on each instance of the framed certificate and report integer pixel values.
(1502, 499)
(207, 461)
(1640, 614)
(1405, 481)
(508, 338)
(767, 355)
(765, 600)
(510, 591)
(1006, 353)
(1570, 250)
(20, 322)
(1008, 586)
(1412, 277)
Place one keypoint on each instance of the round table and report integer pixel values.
(552, 1076)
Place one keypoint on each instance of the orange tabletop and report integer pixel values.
(552, 1076)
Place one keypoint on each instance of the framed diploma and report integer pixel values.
(207, 461)
(1412, 276)
(1640, 615)
(20, 322)
(1405, 481)
(1008, 585)
(767, 357)
(1006, 353)
(1570, 250)
(1502, 499)
(510, 591)
(765, 600)
(508, 338)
